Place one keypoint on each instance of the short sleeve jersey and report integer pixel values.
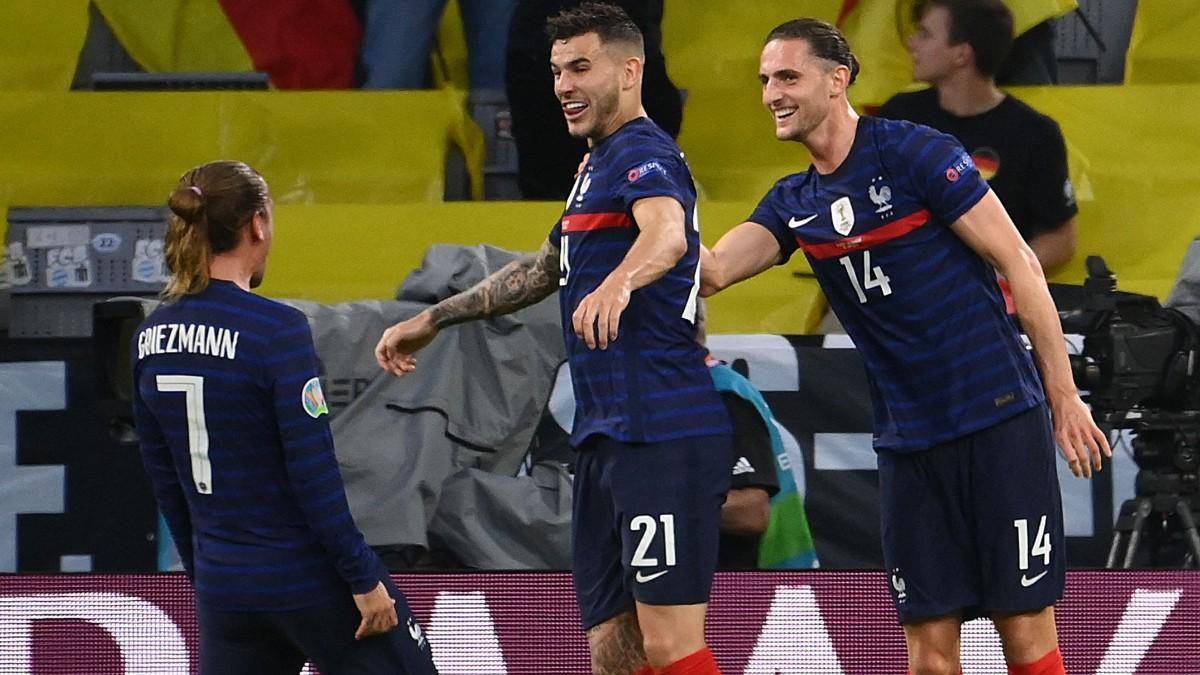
(925, 311)
(235, 436)
(651, 383)
(1018, 150)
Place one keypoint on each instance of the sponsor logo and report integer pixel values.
(843, 216)
(1026, 582)
(742, 466)
(951, 174)
(313, 399)
(644, 170)
(645, 578)
(797, 223)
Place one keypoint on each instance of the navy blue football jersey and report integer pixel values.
(651, 383)
(235, 436)
(924, 310)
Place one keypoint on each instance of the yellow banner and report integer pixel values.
(1163, 45)
(1129, 148)
(335, 253)
(314, 147)
(41, 43)
(176, 35)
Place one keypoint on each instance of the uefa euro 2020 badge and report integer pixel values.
(313, 399)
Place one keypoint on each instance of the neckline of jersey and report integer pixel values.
(859, 134)
(602, 141)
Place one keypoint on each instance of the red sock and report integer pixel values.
(644, 670)
(696, 663)
(1050, 664)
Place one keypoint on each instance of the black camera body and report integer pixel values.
(1136, 353)
(1138, 369)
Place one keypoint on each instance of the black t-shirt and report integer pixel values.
(753, 466)
(1019, 151)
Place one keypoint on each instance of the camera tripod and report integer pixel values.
(1133, 519)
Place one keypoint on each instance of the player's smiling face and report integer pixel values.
(796, 87)
(587, 82)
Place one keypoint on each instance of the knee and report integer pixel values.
(932, 662)
(664, 647)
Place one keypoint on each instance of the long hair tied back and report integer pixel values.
(209, 207)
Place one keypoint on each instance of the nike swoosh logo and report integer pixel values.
(643, 578)
(793, 223)
(1029, 582)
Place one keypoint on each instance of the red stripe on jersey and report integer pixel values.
(880, 235)
(595, 221)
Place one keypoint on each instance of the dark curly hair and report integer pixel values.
(609, 22)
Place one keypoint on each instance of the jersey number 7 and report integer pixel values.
(192, 387)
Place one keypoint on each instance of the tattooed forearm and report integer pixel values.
(520, 283)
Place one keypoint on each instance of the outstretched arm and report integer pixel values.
(742, 253)
(987, 229)
(522, 282)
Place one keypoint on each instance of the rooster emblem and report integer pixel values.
(881, 198)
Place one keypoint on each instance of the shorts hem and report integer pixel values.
(589, 623)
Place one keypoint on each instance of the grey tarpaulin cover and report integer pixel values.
(1185, 295)
(473, 403)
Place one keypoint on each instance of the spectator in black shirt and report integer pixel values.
(957, 48)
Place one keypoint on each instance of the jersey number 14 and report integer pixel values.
(872, 277)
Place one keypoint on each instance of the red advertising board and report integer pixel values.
(1135, 622)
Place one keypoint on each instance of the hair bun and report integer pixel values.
(187, 202)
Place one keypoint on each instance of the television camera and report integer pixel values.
(1138, 371)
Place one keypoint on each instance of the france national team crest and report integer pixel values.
(843, 216)
(313, 399)
(881, 196)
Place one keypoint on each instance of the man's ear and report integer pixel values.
(258, 228)
(839, 80)
(631, 75)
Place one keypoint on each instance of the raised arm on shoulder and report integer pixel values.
(987, 229)
(743, 252)
(522, 282)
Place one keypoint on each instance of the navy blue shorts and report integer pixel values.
(974, 526)
(646, 522)
(271, 643)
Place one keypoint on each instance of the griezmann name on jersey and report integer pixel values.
(651, 383)
(925, 311)
(235, 436)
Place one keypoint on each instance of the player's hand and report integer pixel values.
(395, 349)
(378, 611)
(597, 319)
(1081, 440)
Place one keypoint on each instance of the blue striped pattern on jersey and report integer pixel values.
(925, 311)
(651, 383)
(271, 529)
